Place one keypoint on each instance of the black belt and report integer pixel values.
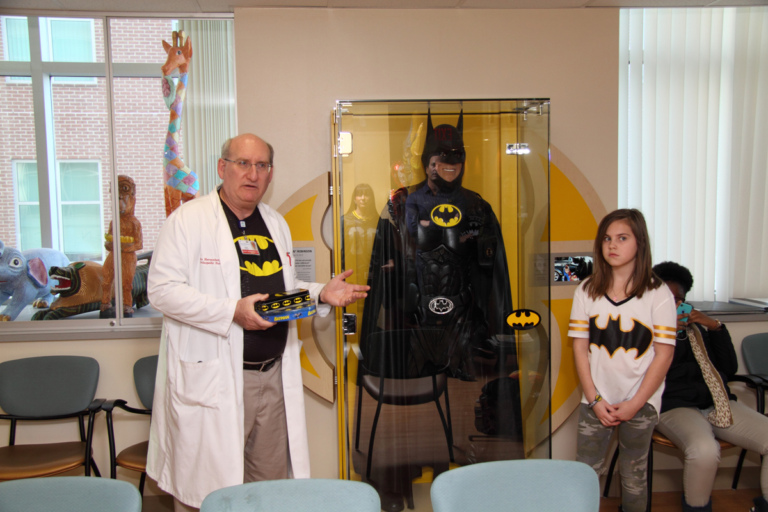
(262, 366)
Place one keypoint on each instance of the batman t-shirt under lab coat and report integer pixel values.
(621, 339)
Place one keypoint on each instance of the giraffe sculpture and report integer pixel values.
(181, 184)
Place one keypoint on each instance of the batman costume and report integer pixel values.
(459, 279)
(438, 263)
(438, 271)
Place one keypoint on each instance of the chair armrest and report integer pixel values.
(109, 406)
(96, 404)
(749, 379)
(757, 383)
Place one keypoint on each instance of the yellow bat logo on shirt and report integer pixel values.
(523, 319)
(268, 267)
(445, 215)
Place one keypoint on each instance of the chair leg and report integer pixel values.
(359, 414)
(448, 434)
(111, 439)
(95, 468)
(649, 477)
(90, 463)
(408, 491)
(373, 428)
(141, 482)
(737, 474)
(609, 476)
(448, 413)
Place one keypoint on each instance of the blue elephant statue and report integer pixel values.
(24, 278)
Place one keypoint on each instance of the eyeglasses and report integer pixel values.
(245, 166)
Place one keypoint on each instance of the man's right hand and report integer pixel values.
(246, 315)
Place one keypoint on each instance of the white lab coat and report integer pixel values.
(196, 435)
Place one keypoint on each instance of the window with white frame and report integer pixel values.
(16, 38)
(15, 43)
(80, 210)
(61, 40)
(68, 40)
(69, 131)
(27, 202)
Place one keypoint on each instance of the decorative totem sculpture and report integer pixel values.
(129, 242)
(181, 183)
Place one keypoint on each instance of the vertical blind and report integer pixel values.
(209, 110)
(693, 141)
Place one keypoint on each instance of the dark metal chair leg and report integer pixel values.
(737, 474)
(448, 413)
(446, 428)
(373, 428)
(359, 414)
(649, 477)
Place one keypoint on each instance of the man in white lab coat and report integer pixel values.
(229, 401)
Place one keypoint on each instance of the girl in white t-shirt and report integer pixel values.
(622, 326)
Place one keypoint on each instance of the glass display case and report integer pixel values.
(442, 207)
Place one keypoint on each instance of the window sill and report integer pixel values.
(728, 312)
(146, 323)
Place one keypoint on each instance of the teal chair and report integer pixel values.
(50, 389)
(294, 495)
(754, 351)
(528, 485)
(69, 494)
(133, 457)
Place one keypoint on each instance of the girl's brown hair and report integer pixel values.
(643, 278)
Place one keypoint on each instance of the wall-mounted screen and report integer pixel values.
(570, 268)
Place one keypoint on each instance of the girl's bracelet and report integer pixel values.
(598, 398)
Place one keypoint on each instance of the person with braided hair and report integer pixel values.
(691, 406)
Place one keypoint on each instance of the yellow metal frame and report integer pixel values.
(336, 207)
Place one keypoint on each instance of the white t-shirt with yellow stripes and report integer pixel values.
(621, 339)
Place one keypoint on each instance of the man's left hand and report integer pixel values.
(338, 292)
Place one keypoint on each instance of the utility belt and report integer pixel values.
(438, 306)
(262, 366)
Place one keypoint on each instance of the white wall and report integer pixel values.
(294, 64)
